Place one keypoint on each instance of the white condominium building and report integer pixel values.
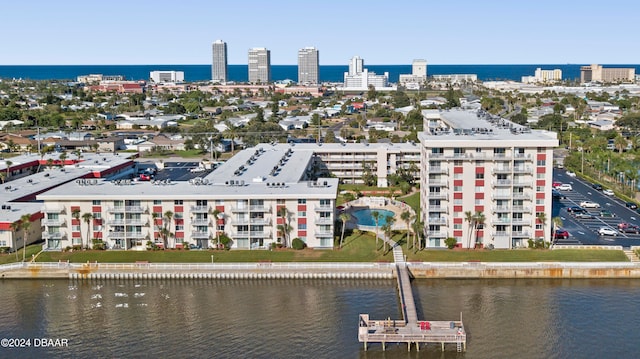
(259, 65)
(261, 196)
(475, 163)
(359, 78)
(166, 76)
(308, 66)
(219, 62)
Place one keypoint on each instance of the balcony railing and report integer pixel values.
(521, 209)
(121, 235)
(522, 183)
(200, 234)
(436, 233)
(437, 182)
(437, 208)
(260, 221)
(500, 234)
(321, 232)
(260, 208)
(130, 209)
(501, 183)
(437, 195)
(441, 170)
(520, 221)
(113, 221)
(53, 209)
(501, 196)
(200, 221)
(324, 220)
(522, 195)
(522, 169)
(323, 208)
(52, 235)
(53, 222)
(200, 209)
(501, 208)
(501, 170)
(436, 220)
(520, 234)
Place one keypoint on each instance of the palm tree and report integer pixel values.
(285, 227)
(2, 176)
(344, 217)
(216, 212)
(388, 226)
(479, 220)
(468, 217)
(86, 218)
(62, 157)
(8, 163)
(166, 230)
(542, 218)
(15, 227)
(75, 214)
(376, 218)
(25, 223)
(418, 228)
(406, 217)
(557, 223)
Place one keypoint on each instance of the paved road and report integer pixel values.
(585, 231)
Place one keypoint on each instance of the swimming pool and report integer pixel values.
(364, 217)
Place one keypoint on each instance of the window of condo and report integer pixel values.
(95, 202)
(541, 163)
(302, 213)
(178, 202)
(302, 226)
(302, 201)
(157, 202)
(479, 175)
(457, 162)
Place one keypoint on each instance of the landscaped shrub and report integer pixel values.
(225, 241)
(4, 249)
(298, 244)
(450, 242)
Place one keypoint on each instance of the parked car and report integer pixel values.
(589, 204)
(607, 231)
(597, 186)
(608, 192)
(584, 215)
(571, 174)
(565, 187)
(631, 205)
(606, 213)
(556, 194)
(575, 209)
(628, 228)
(561, 234)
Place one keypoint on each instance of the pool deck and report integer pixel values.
(382, 203)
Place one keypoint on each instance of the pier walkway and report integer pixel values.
(409, 330)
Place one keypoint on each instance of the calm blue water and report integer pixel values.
(364, 217)
(328, 73)
(524, 319)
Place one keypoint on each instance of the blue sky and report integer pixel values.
(44, 32)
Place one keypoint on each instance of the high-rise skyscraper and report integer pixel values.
(259, 65)
(356, 65)
(219, 64)
(308, 66)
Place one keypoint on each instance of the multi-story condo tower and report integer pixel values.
(308, 65)
(484, 180)
(356, 65)
(219, 64)
(597, 73)
(259, 65)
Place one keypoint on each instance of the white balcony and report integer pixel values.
(501, 209)
(53, 222)
(260, 208)
(52, 235)
(323, 208)
(437, 209)
(437, 195)
(52, 209)
(501, 183)
(441, 170)
(436, 220)
(200, 221)
(199, 209)
(200, 234)
(324, 220)
(520, 234)
(436, 234)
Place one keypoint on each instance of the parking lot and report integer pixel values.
(179, 171)
(585, 230)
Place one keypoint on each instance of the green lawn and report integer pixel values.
(359, 247)
(11, 257)
(413, 201)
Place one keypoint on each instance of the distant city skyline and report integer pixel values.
(75, 32)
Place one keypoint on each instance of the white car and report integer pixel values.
(608, 192)
(589, 204)
(565, 187)
(571, 174)
(607, 231)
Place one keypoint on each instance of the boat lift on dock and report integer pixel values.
(410, 330)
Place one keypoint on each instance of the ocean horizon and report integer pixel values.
(328, 73)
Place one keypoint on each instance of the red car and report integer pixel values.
(145, 177)
(628, 228)
(561, 234)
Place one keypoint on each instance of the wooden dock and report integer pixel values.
(410, 330)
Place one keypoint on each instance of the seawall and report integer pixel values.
(460, 270)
